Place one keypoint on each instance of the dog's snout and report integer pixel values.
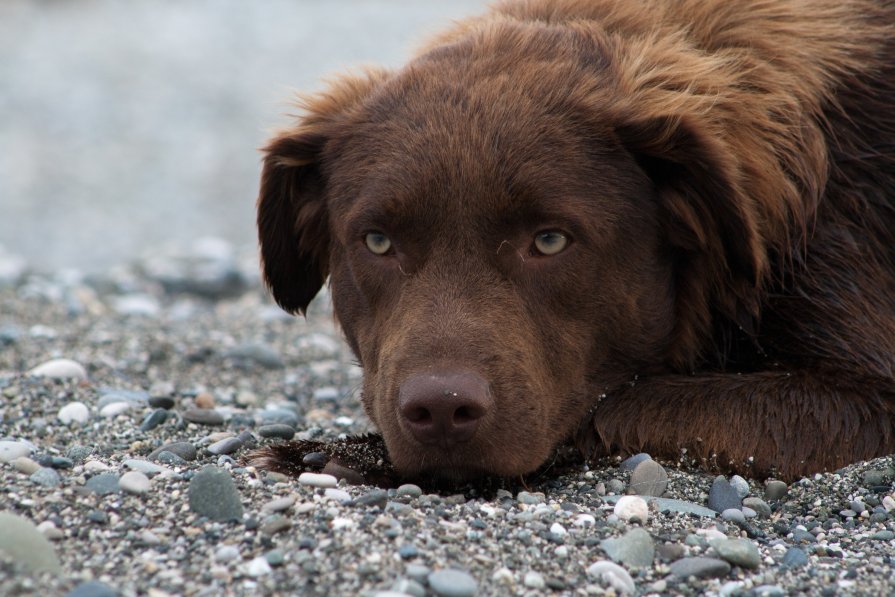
(444, 408)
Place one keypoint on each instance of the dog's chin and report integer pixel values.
(458, 465)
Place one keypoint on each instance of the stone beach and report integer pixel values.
(122, 443)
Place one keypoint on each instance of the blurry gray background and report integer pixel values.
(128, 125)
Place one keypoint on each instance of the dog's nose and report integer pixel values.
(444, 408)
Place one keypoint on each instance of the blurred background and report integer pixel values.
(131, 127)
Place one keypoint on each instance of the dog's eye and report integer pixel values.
(550, 242)
(378, 243)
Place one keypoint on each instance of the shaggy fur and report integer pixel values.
(725, 173)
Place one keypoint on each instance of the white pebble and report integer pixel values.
(888, 503)
(95, 466)
(9, 450)
(49, 530)
(584, 520)
(561, 552)
(558, 530)
(533, 580)
(502, 576)
(339, 495)
(226, 553)
(134, 482)
(114, 409)
(317, 480)
(740, 485)
(342, 523)
(258, 567)
(613, 575)
(60, 369)
(74, 412)
(630, 508)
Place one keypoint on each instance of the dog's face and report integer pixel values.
(499, 252)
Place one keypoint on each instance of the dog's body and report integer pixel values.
(655, 225)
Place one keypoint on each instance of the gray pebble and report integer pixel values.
(316, 459)
(768, 591)
(46, 476)
(279, 504)
(109, 396)
(203, 416)
(10, 450)
(722, 496)
(450, 582)
(857, 506)
(634, 549)
(740, 485)
(225, 446)
(213, 494)
(631, 463)
(409, 490)
(407, 586)
(77, 453)
(277, 430)
(760, 506)
(649, 478)
(610, 573)
(408, 551)
(418, 572)
(615, 486)
(23, 543)
(144, 466)
(184, 450)
(92, 588)
(279, 416)
(876, 478)
(275, 557)
(775, 490)
(259, 354)
(733, 515)
(103, 484)
(377, 497)
(166, 457)
(154, 419)
(700, 567)
(525, 497)
(275, 524)
(134, 482)
(883, 535)
(165, 402)
(794, 558)
(739, 552)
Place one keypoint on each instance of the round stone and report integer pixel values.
(634, 549)
(204, 416)
(184, 450)
(277, 430)
(23, 543)
(10, 450)
(114, 409)
(760, 506)
(649, 478)
(226, 553)
(533, 580)
(722, 496)
(59, 369)
(134, 482)
(610, 573)
(213, 494)
(740, 485)
(279, 504)
(409, 490)
(408, 552)
(450, 582)
(258, 567)
(163, 402)
(315, 459)
(739, 552)
(794, 557)
(317, 480)
(632, 462)
(775, 490)
(46, 476)
(733, 515)
(632, 508)
(103, 484)
(700, 567)
(23, 464)
(74, 412)
(225, 446)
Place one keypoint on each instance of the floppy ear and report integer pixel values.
(709, 222)
(292, 220)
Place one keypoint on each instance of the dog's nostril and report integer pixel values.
(444, 408)
(418, 415)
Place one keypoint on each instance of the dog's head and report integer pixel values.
(506, 235)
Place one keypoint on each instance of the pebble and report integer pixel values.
(275, 524)
(23, 543)
(134, 482)
(163, 402)
(775, 490)
(760, 506)
(114, 409)
(184, 450)
(407, 586)
(632, 508)
(634, 549)
(277, 430)
(649, 478)
(154, 419)
(23, 464)
(739, 552)
(632, 462)
(258, 354)
(92, 588)
(672, 505)
(315, 459)
(883, 535)
(733, 515)
(340, 472)
(145, 467)
(534, 580)
(450, 582)
(258, 567)
(59, 369)
(740, 485)
(279, 416)
(409, 490)
(377, 497)
(227, 553)
(103, 484)
(275, 557)
(339, 495)
(610, 573)
(795, 557)
(225, 446)
(213, 494)
(408, 552)
(317, 480)
(531, 498)
(279, 504)
(722, 496)
(46, 476)
(204, 400)
(73, 412)
(10, 450)
(700, 567)
(136, 398)
(875, 478)
(418, 572)
(204, 416)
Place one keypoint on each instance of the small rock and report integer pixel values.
(275, 557)
(60, 369)
(144, 466)
(277, 430)
(23, 543)
(530, 498)
(315, 459)
(317, 480)
(225, 446)
(258, 354)
(163, 402)
(377, 497)
(409, 490)
(775, 490)
(883, 535)
(204, 416)
(632, 508)
(275, 524)
(609, 573)
(733, 515)
(453, 583)
(112, 410)
(226, 553)
(92, 588)
(184, 450)
(794, 558)
(740, 485)
(258, 567)
(758, 505)
(634, 549)
(10, 450)
(74, 412)
(23, 464)
(632, 462)
(279, 504)
(154, 419)
(204, 400)
(103, 484)
(739, 552)
(408, 552)
(213, 494)
(875, 478)
(278, 416)
(340, 472)
(339, 495)
(134, 482)
(700, 567)
(533, 580)
(722, 496)
(649, 478)
(46, 476)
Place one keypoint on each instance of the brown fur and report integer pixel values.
(726, 172)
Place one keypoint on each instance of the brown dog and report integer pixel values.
(665, 225)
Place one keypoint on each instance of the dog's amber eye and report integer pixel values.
(550, 242)
(378, 243)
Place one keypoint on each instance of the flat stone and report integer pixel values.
(351, 476)
(450, 582)
(23, 464)
(276, 524)
(775, 490)
(700, 567)
(225, 446)
(74, 412)
(530, 498)
(883, 535)
(722, 496)
(59, 369)
(144, 466)
(409, 490)
(315, 459)
(317, 480)
(760, 506)
(258, 354)
(22, 542)
(203, 416)
(278, 416)
(632, 462)
(134, 482)
(634, 549)
(213, 494)
(610, 573)
(136, 398)
(377, 497)
(103, 484)
(733, 515)
(10, 450)
(876, 478)
(164, 402)
(184, 450)
(739, 552)
(279, 504)
(92, 588)
(649, 478)
(794, 557)
(113, 409)
(46, 476)
(154, 419)
(277, 430)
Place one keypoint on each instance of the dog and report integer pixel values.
(663, 226)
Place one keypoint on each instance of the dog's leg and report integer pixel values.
(788, 424)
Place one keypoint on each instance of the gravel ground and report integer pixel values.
(189, 349)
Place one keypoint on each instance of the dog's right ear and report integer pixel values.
(293, 222)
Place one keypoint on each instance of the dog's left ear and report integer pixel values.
(708, 220)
